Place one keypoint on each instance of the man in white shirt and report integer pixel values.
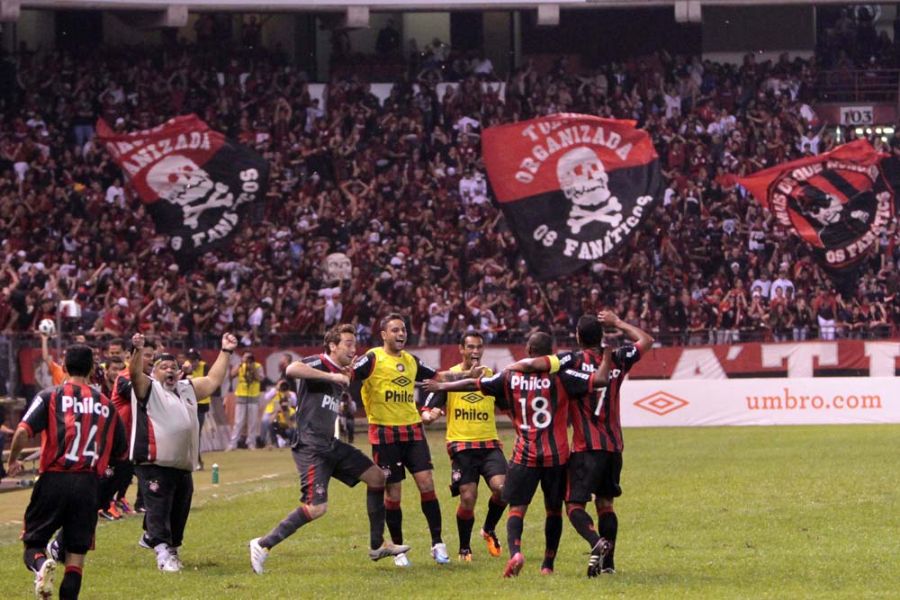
(165, 443)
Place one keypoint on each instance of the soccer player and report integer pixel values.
(475, 450)
(165, 443)
(595, 465)
(396, 433)
(319, 456)
(79, 431)
(539, 406)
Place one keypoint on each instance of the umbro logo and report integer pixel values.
(661, 403)
(471, 398)
(401, 381)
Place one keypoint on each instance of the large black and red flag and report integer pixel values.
(838, 202)
(196, 184)
(572, 187)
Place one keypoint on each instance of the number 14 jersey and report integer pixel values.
(539, 406)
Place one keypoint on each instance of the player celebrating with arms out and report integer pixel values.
(319, 456)
(474, 448)
(539, 406)
(595, 466)
(396, 433)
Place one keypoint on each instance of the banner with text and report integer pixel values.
(572, 187)
(196, 184)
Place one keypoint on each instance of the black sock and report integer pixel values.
(514, 525)
(552, 533)
(393, 516)
(71, 583)
(431, 508)
(34, 558)
(496, 506)
(289, 525)
(465, 521)
(375, 508)
(608, 524)
(583, 524)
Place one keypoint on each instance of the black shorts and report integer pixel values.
(594, 473)
(522, 482)
(468, 465)
(392, 458)
(316, 466)
(67, 501)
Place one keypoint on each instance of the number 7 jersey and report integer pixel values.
(539, 406)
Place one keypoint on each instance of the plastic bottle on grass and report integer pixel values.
(215, 474)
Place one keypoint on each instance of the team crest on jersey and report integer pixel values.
(400, 367)
(153, 486)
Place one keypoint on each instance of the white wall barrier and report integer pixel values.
(773, 401)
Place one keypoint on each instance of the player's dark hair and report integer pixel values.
(464, 335)
(540, 344)
(391, 317)
(590, 331)
(115, 342)
(115, 360)
(333, 335)
(79, 360)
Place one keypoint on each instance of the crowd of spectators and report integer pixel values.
(399, 188)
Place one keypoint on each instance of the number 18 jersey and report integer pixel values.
(539, 406)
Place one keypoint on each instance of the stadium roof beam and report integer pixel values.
(386, 5)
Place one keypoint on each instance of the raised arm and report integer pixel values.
(643, 341)
(531, 365)
(140, 383)
(206, 385)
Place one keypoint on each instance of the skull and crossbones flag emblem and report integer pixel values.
(573, 187)
(196, 184)
(839, 202)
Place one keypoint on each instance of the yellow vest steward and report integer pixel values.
(470, 415)
(243, 388)
(388, 393)
(200, 371)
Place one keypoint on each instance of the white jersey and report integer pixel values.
(165, 430)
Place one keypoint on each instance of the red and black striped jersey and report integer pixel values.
(539, 406)
(596, 418)
(79, 429)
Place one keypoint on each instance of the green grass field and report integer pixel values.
(789, 512)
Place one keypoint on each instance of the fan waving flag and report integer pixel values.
(572, 187)
(838, 202)
(196, 184)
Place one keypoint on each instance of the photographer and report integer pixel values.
(249, 374)
(274, 397)
(283, 424)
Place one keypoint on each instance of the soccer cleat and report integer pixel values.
(165, 560)
(113, 510)
(54, 550)
(43, 580)
(608, 571)
(124, 507)
(104, 513)
(258, 556)
(439, 553)
(401, 560)
(493, 544)
(465, 555)
(388, 550)
(144, 542)
(514, 565)
(598, 553)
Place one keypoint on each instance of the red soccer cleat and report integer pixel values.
(514, 565)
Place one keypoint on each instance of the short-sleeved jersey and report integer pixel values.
(596, 418)
(471, 422)
(79, 429)
(539, 406)
(165, 429)
(318, 405)
(388, 394)
(121, 398)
